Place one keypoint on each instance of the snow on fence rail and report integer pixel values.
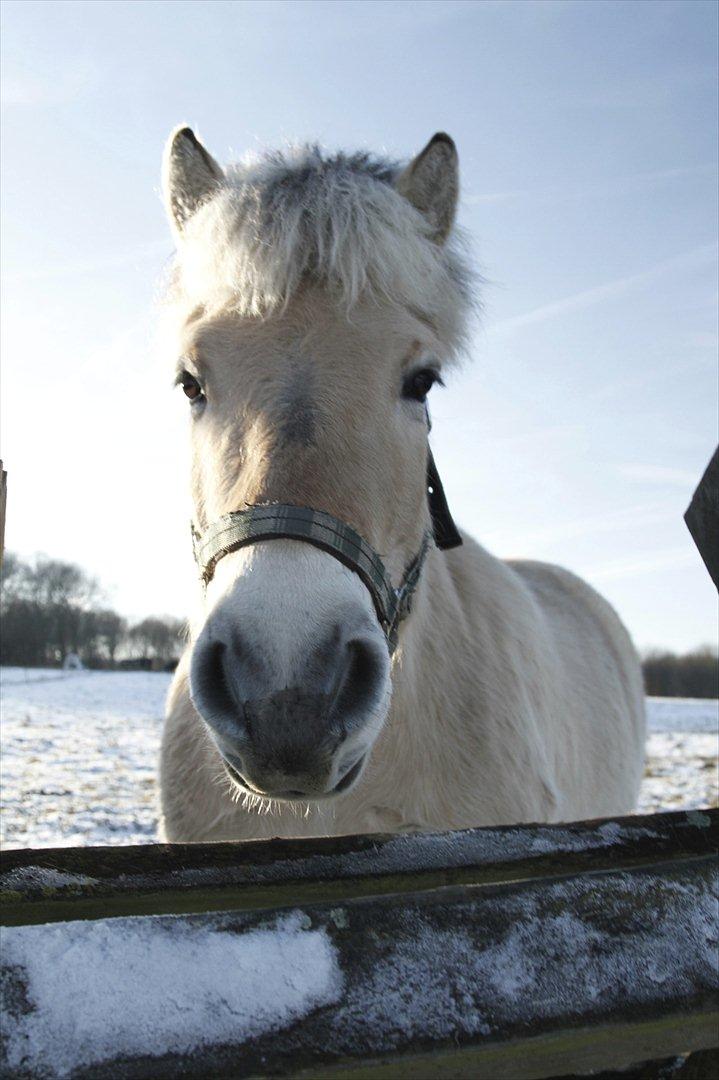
(518, 952)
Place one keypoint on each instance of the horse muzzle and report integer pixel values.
(309, 786)
(294, 690)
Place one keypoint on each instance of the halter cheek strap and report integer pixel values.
(280, 521)
(446, 534)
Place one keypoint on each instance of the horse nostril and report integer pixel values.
(362, 675)
(209, 681)
(281, 733)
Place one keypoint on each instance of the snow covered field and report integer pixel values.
(80, 749)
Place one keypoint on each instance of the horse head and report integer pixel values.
(314, 300)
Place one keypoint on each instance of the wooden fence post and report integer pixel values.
(3, 503)
(702, 517)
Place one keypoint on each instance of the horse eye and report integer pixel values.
(419, 383)
(190, 386)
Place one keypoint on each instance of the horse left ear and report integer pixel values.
(190, 176)
(431, 183)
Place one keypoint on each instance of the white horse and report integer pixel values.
(316, 300)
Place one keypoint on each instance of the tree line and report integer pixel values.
(696, 674)
(50, 609)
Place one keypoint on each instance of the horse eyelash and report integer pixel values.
(185, 366)
(439, 381)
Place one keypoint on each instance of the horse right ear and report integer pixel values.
(431, 183)
(190, 176)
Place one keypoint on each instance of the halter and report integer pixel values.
(281, 521)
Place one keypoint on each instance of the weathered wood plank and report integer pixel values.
(525, 979)
(701, 1065)
(73, 883)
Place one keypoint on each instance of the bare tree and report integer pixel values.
(110, 629)
(47, 610)
(158, 637)
(50, 608)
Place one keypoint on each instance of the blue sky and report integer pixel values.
(587, 134)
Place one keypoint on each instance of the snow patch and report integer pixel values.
(80, 753)
(695, 715)
(557, 952)
(42, 877)
(148, 986)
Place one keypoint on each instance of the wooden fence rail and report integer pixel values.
(521, 952)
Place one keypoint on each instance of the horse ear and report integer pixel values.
(431, 183)
(190, 176)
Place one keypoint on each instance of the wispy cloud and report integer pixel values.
(545, 539)
(662, 475)
(644, 564)
(700, 256)
(613, 186)
(33, 89)
(651, 89)
(153, 250)
(676, 373)
(703, 339)
(495, 197)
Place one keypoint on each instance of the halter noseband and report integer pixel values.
(280, 521)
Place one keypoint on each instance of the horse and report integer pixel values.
(357, 664)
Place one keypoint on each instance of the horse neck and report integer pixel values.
(430, 643)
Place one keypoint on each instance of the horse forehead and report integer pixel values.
(299, 412)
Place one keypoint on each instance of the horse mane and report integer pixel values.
(298, 215)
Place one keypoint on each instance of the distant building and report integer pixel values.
(72, 662)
